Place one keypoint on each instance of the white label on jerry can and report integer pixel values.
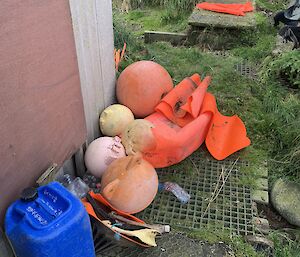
(50, 195)
(36, 215)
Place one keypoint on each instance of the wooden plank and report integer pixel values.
(173, 38)
(93, 31)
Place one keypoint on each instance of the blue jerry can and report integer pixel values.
(49, 221)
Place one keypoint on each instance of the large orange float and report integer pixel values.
(129, 184)
(142, 85)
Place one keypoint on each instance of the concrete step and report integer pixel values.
(204, 18)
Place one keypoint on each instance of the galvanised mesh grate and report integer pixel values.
(232, 209)
(246, 70)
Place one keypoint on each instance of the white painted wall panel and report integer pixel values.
(93, 31)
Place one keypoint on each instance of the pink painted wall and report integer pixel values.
(41, 111)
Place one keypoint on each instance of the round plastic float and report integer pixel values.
(137, 137)
(114, 119)
(142, 85)
(130, 184)
(101, 153)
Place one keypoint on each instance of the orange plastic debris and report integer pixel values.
(119, 56)
(101, 199)
(186, 117)
(235, 9)
(90, 211)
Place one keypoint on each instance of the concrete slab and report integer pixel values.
(262, 183)
(204, 18)
(260, 196)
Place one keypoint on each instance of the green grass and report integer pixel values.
(180, 6)
(269, 109)
(262, 41)
(272, 6)
(237, 244)
(284, 246)
(158, 19)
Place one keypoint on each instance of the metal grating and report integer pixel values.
(232, 209)
(246, 70)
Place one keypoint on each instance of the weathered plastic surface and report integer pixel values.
(186, 117)
(114, 119)
(130, 184)
(142, 85)
(55, 224)
(101, 153)
(138, 137)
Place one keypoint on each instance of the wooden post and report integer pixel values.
(93, 32)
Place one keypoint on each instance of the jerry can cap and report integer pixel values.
(29, 194)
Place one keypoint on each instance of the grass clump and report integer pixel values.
(282, 113)
(271, 6)
(164, 15)
(156, 19)
(213, 235)
(261, 41)
(285, 67)
(284, 246)
(180, 6)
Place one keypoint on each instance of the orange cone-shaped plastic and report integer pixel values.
(186, 117)
(130, 184)
(179, 128)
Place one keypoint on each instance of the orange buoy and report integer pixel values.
(129, 184)
(142, 85)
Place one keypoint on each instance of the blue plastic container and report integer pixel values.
(49, 222)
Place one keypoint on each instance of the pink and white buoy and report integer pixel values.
(101, 153)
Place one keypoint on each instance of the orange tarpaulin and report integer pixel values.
(235, 9)
(186, 117)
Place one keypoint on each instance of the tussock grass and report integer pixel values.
(284, 246)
